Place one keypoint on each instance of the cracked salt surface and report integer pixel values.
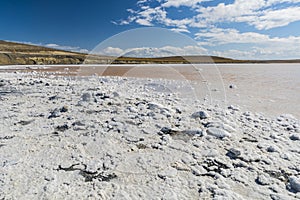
(118, 138)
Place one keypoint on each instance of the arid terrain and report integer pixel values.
(132, 138)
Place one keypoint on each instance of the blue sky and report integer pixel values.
(73, 23)
(253, 29)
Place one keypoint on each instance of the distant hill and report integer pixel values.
(16, 53)
(178, 59)
(12, 53)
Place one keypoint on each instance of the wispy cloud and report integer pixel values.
(66, 48)
(55, 46)
(180, 30)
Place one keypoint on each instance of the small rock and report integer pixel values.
(165, 113)
(234, 108)
(26, 122)
(290, 128)
(53, 97)
(132, 109)
(233, 153)
(277, 196)
(169, 131)
(217, 132)
(64, 109)
(196, 132)
(228, 128)
(178, 110)
(115, 94)
(86, 97)
(54, 114)
(153, 106)
(266, 128)
(213, 124)
(263, 179)
(169, 172)
(78, 123)
(271, 149)
(180, 166)
(210, 153)
(62, 128)
(201, 115)
(232, 86)
(294, 183)
(104, 97)
(285, 156)
(295, 137)
(247, 113)
(198, 171)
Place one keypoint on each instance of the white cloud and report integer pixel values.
(276, 18)
(110, 51)
(207, 20)
(261, 53)
(66, 48)
(52, 45)
(257, 13)
(266, 50)
(186, 50)
(180, 30)
(178, 3)
(262, 14)
(228, 12)
(259, 46)
(217, 36)
(144, 22)
(236, 54)
(141, 1)
(147, 16)
(272, 2)
(153, 52)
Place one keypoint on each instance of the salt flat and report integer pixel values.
(272, 89)
(122, 137)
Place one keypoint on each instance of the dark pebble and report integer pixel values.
(233, 153)
(295, 137)
(64, 109)
(62, 128)
(25, 122)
